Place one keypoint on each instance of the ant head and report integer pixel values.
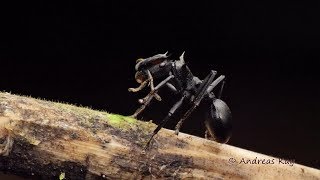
(145, 64)
(152, 64)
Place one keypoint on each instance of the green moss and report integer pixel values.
(119, 121)
(87, 114)
(62, 176)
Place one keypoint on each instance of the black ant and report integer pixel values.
(193, 92)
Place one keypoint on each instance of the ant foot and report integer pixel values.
(6, 146)
(176, 132)
(206, 134)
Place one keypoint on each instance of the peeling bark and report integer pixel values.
(42, 139)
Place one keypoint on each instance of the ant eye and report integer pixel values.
(162, 64)
(140, 77)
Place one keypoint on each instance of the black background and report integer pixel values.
(84, 53)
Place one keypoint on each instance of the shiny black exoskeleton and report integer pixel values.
(176, 75)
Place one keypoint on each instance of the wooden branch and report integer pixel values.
(46, 139)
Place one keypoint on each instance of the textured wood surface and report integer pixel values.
(42, 139)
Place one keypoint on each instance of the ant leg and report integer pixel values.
(185, 116)
(150, 78)
(153, 93)
(215, 83)
(146, 100)
(138, 111)
(152, 86)
(205, 88)
(208, 136)
(166, 119)
(7, 146)
(221, 89)
(142, 85)
(172, 88)
(206, 133)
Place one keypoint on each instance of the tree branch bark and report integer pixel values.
(46, 139)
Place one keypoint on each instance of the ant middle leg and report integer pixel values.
(181, 121)
(166, 119)
(199, 95)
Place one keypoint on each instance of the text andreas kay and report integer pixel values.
(268, 161)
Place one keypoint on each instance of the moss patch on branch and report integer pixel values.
(90, 115)
(120, 121)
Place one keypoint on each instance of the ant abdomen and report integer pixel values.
(218, 121)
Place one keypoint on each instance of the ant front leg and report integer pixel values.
(146, 100)
(152, 92)
(142, 85)
(6, 146)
